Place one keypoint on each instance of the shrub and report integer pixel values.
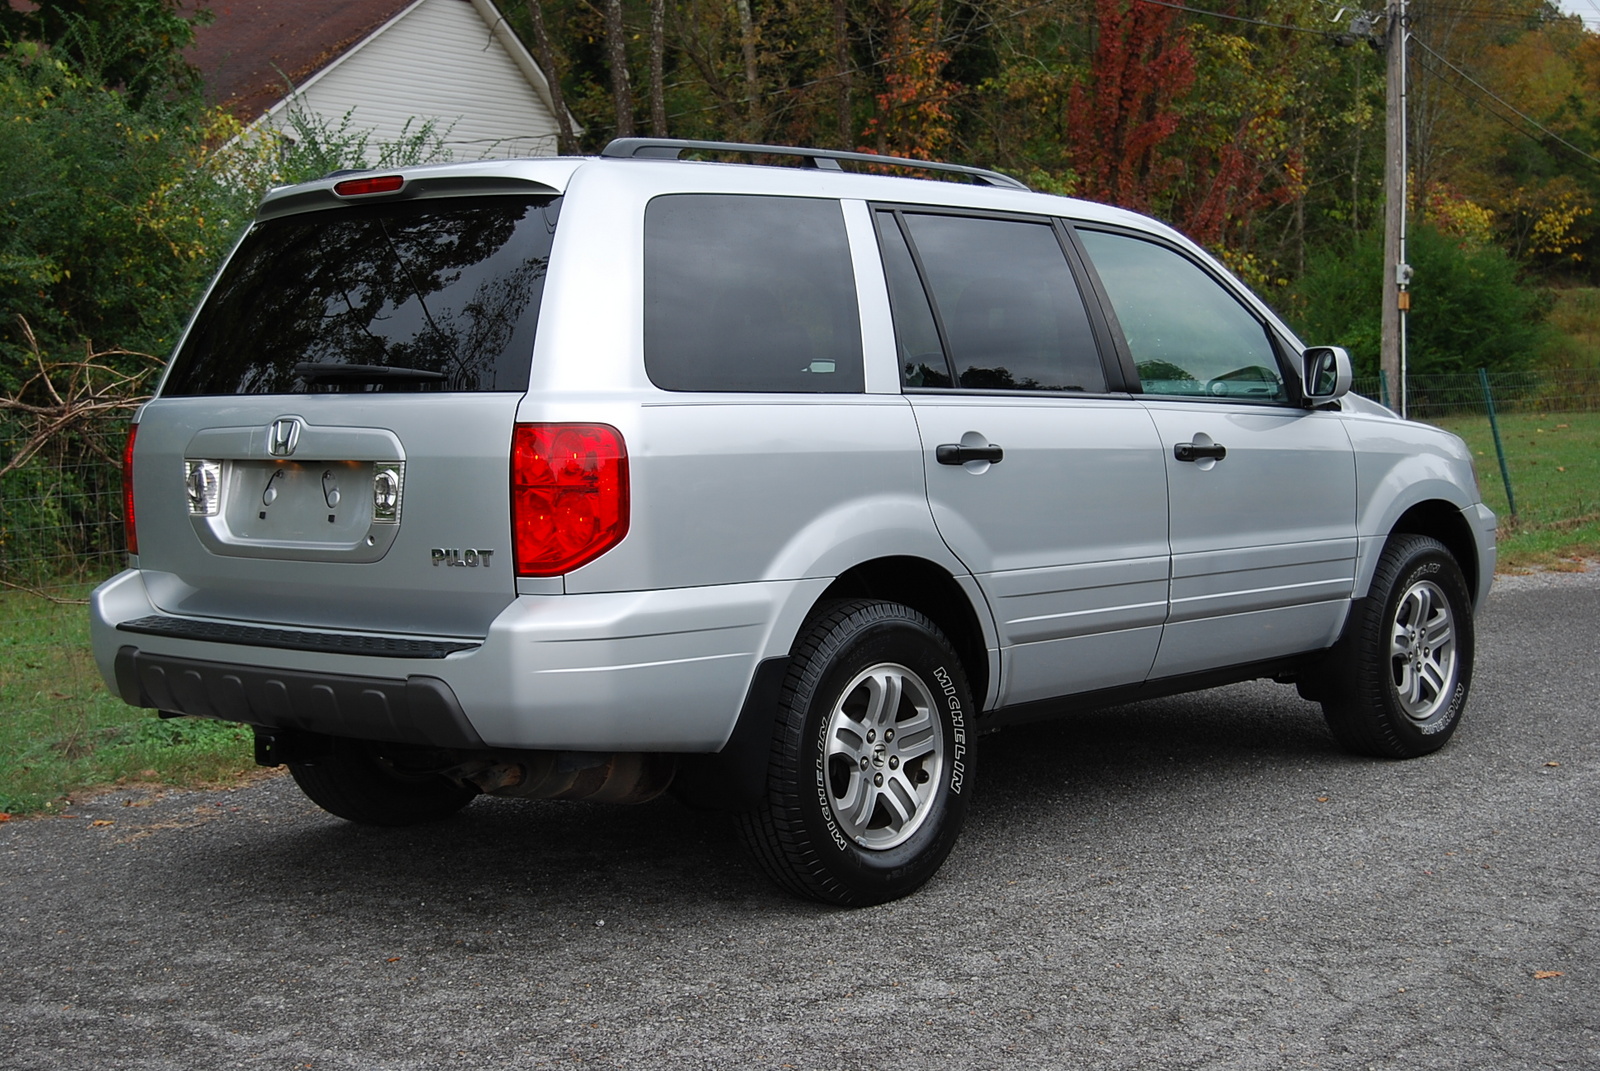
(1469, 307)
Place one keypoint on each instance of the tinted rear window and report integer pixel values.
(420, 295)
(749, 293)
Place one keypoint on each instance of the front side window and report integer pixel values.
(413, 295)
(1188, 335)
(1010, 309)
(746, 293)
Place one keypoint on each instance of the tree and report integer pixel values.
(1125, 109)
(915, 111)
(1469, 307)
(133, 45)
(617, 59)
(566, 143)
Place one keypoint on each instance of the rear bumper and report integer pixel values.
(632, 671)
(414, 710)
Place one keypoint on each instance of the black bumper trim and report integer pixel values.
(363, 643)
(412, 710)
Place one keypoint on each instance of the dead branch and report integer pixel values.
(63, 395)
(33, 589)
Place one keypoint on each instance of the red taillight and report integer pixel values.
(569, 495)
(360, 187)
(127, 491)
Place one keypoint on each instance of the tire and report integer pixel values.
(870, 768)
(1398, 680)
(358, 781)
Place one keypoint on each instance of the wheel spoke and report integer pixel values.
(1400, 642)
(848, 738)
(916, 737)
(901, 801)
(857, 806)
(1433, 675)
(884, 698)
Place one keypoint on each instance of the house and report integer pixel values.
(389, 65)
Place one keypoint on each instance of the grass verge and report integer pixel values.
(1554, 463)
(60, 730)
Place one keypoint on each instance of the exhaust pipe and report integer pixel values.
(623, 777)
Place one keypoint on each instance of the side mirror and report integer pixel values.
(1327, 374)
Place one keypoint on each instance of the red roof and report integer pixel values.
(255, 50)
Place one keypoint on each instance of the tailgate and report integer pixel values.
(387, 514)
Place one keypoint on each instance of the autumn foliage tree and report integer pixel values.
(915, 111)
(1125, 111)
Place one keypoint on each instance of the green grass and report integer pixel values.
(61, 731)
(1554, 463)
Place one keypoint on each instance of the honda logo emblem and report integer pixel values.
(284, 436)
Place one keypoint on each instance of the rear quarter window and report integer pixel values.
(747, 293)
(438, 294)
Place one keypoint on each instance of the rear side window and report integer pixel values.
(746, 293)
(1009, 312)
(418, 295)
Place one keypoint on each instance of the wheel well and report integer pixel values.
(1445, 523)
(927, 588)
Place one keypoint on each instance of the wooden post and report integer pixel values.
(1392, 347)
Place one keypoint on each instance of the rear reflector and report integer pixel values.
(360, 187)
(569, 495)
(129, 528)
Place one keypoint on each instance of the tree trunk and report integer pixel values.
(841, 60)
(566, 142)
(658, 101)
(617, 57)
(752, 82)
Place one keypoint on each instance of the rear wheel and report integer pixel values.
(1398, 681)
(365, 782)
(870, 769)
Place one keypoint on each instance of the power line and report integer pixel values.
(1241, 18)
(1504, 103)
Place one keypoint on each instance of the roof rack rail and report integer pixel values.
(825, 159)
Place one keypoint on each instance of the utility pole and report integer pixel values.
(1396, 272)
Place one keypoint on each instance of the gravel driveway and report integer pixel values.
(1199, 882)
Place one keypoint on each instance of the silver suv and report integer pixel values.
(778, 486)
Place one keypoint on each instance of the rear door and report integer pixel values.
(1262, 490)
(1047, 484)
(331, 446)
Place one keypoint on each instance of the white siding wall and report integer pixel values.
(438, 60)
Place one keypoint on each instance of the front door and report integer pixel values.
(1262, 490)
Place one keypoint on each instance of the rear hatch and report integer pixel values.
(331, 446)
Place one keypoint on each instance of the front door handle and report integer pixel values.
(1199, 451)
(956, 454)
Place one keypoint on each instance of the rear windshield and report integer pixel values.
(422, 295)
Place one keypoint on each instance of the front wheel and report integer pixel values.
(1398, 681)
(870, 767)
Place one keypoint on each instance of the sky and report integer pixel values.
(1588, 10)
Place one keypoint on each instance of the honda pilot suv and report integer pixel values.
(774, 486)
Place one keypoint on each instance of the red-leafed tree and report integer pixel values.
(1122, 114)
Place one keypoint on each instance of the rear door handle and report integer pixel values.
(1199, 452)
(956, 454)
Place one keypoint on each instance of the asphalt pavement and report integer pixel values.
(1199, 882)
